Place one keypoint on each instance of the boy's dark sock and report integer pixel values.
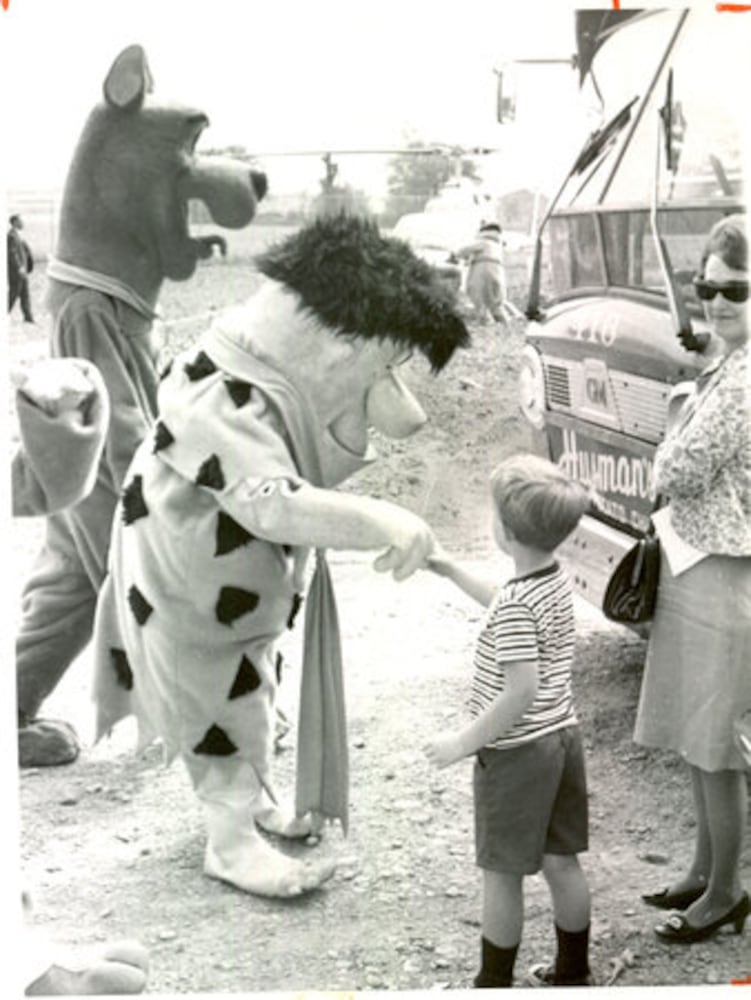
(497, 966)
(572, 958)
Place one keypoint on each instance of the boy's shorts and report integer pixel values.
(530, 800)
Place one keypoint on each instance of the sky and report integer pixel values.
(279, 76)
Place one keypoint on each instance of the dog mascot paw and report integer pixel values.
(258, 424)
(123, 230)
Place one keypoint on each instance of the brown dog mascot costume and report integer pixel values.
(123, 230)
(259, 422)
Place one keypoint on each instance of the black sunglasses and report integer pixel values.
(733, 291)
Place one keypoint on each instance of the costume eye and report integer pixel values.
(401, 359)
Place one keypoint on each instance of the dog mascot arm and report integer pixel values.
(89, 327)
(63, 414)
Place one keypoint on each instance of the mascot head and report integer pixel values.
(342, 309)
(125, 205)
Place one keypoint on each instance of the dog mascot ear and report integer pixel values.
(258, 424)
(123, 229)
(128, 80)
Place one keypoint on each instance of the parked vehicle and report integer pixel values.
(615, 326)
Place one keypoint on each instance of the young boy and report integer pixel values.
(529, 782)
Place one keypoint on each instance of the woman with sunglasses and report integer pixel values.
(697, 678)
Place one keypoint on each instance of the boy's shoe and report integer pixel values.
(543, 975)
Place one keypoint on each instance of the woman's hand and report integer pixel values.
(444, 751)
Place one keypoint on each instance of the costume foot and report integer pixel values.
(284, 823)
(250, 864)
(46, 743)
(118, 968)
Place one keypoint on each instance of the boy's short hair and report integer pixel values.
(538, 504)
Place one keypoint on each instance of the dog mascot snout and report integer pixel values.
(259, 423)
(123, 229)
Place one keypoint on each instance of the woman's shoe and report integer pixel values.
(667, 900)
(677, 930)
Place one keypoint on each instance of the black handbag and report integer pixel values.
(631, 593)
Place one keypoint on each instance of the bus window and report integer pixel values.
(630, 250)
(574, 254)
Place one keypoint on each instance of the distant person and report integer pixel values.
(486, 278)
(697, 676)
(20, 266)
(530, 794)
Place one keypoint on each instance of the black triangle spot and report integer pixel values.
(287, 549)
(166, 370)
(279, 664)
(233, 603)
(215, 743)
(210, 474)
(296, 605)
(139, 605)
(163, 437)
(239, 391)
(200, 368)
(230, 535)
(134, 505)
(120, 665)
(247, 679)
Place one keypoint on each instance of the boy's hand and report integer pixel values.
(444, 751)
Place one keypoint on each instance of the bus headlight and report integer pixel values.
(532, 387)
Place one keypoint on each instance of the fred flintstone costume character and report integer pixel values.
(258, 423)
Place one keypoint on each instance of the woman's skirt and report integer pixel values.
(697, 677)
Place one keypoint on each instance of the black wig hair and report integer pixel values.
(363, 284)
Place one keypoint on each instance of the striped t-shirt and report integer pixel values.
(530, 618)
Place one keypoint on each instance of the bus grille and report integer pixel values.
(639, 405)
(557, 386)
(642, 405)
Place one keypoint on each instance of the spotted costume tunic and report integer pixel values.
(196, 598)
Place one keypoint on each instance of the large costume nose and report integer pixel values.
(228, 188)
(392, 409)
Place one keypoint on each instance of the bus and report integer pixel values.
(615, 331)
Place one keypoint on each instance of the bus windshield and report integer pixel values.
(600, 235)
(600, 249)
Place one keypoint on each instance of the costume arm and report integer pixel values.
(92, 332)
(293, 512)
(63, 413)
(689, 459)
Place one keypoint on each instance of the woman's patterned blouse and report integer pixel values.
(704, 463)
